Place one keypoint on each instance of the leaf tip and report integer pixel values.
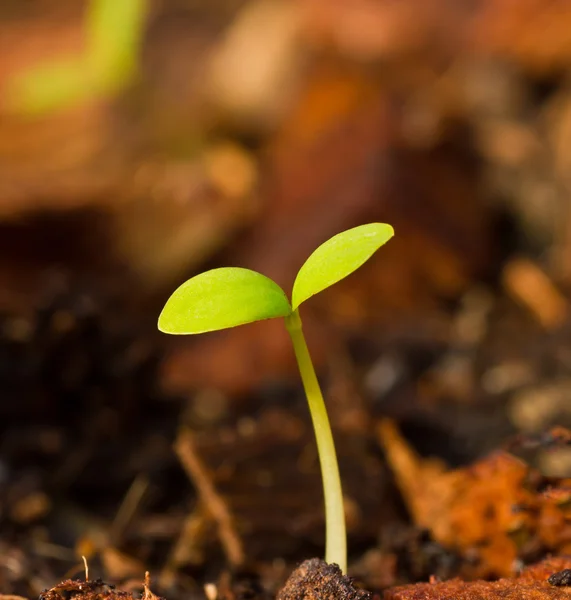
(163, 323)
(384, 231)
(337, 258)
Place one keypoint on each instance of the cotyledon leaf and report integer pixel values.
(222, 298)
(338, 257)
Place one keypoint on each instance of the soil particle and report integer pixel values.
(314, 579)
(562, 578)
(73, 589)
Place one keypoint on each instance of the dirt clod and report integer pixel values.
(314, 579)
(74, 589)
(561, 578)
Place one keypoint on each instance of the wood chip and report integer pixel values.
(531, 287)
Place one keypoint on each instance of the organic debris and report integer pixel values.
(210, 499)
(532, 583)
(493, 512)
(75, 589)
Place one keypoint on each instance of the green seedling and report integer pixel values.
(113, 31)
(230, 296)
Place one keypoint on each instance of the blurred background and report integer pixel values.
(142, 141)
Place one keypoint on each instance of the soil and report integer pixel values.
(98, 461)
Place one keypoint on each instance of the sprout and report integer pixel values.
(230, 296)
(113, 32)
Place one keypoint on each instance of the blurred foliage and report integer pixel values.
(113, 35)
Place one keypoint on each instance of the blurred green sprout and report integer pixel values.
(113, 33)
(227, 297)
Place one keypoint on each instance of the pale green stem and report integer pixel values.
(335, 535)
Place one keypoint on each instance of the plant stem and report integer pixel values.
(335, 535)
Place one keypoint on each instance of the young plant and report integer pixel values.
(230, 296)
(113, 33)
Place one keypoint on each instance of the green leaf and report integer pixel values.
(337, 258)
(222, 298)
(114, 35)
(50, 86)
